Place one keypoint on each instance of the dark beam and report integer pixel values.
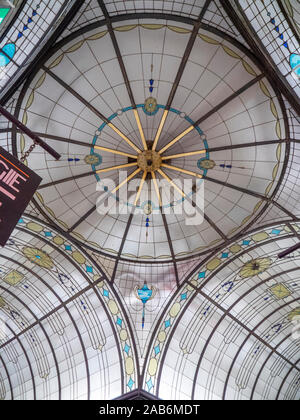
(284, 380)
(118, 52)
(40, 56)
(29, 133)
(70, 178)
(235, 187)
(215, 227)
(82, 218)
(186, 55)
(252, 193)
(289, 21)
(293, 365)
(229, 99)
(75, 94)
(245, 145)
(122, 245)
(64, 139)
(253, 41)
(241, 324)
(62, 305)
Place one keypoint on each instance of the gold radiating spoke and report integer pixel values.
(112, 168)
(161, 126)
(116, 152)
(184, 171)
(156, 188)
(184, 133)
(126, 180)
(116, 130)
(140, 187)
(171, 182)
(138, 121)
(180, 155)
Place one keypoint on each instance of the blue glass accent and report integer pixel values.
(225, 255)
(201, 275)
(275, 232)
(21, 221)
(105, 293)
(25, 28)
(151, 82)
(167, 323)
(281, 36)
(10, 50)
(34, 13)
(295, 63)
(277, 28)
(68, 248)
(89, 269)
(127, 348)
(119, 322)
(113, 116)
(144, 293)
(48, 234)
(222, 165)
(20, 35)
(150, 89)
(147, 220)
(130, 383)
(277, 328)
(183, 296)
(156, 350)
(286, 45)
(273, 21)
(29, 20)
(246, 242)
(147, 224)
(149, 384)
(228, 283)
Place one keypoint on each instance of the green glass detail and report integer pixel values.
(3, 13)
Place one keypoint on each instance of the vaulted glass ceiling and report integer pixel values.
(192, 312)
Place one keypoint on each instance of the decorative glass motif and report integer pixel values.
(144, 294)
(255, 267)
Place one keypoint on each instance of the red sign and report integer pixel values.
(17, 186)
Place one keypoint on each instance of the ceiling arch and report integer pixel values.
(59, 320)
(234, 315)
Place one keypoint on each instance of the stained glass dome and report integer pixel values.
(109, 287)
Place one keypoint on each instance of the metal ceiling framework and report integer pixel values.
(207, 254)
(192, 22)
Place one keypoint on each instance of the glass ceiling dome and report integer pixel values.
(221, 129)
(99, 304)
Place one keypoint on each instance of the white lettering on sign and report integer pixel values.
(9, 178)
